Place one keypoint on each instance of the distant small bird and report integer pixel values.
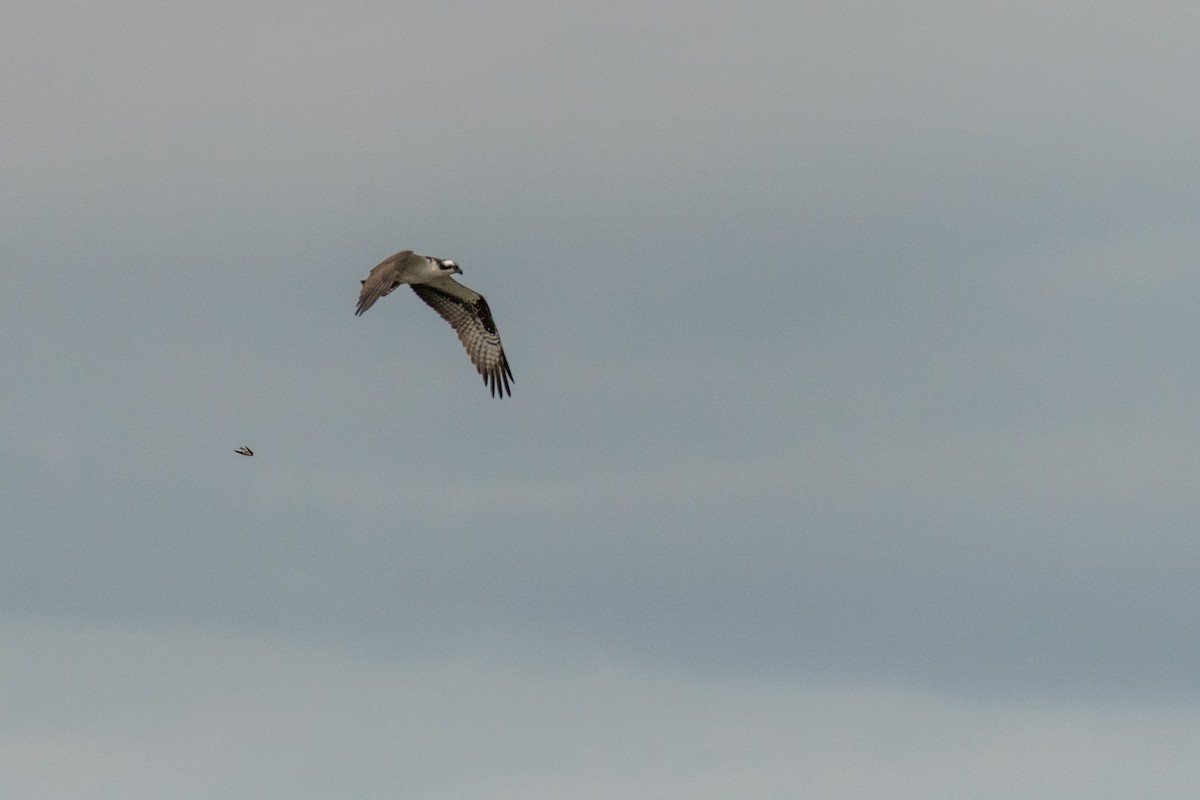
(465, 309)
(244, 451)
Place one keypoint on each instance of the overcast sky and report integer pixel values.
(853, 449)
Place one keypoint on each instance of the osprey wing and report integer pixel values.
(469, 315)
(382, 280)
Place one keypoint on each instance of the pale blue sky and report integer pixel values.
(852, 450)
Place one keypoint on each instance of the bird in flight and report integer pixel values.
(244, 451)
(465, 309)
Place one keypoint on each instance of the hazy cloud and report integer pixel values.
(851, 447)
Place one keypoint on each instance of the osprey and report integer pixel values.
(244, 451)
(465, 310)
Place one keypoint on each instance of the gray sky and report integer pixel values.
(852, 451)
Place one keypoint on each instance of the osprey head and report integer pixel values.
(449, 266)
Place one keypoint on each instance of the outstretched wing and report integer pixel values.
(469, 315)
(382, 280)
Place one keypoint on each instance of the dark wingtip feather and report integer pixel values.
(498, 379)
